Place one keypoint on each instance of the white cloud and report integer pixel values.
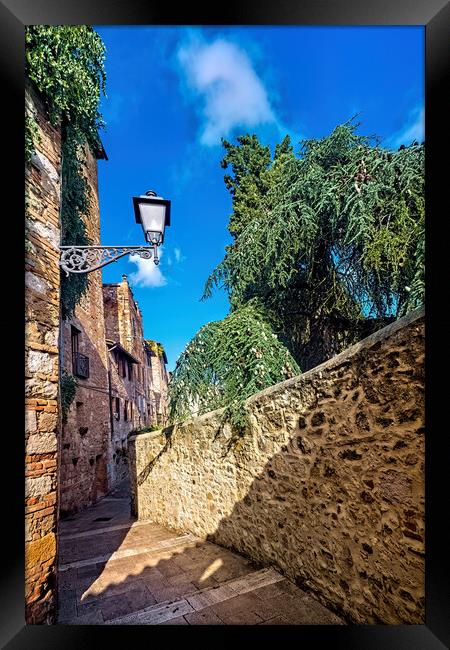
(147, 274)
(177, 254)
(412, 129)
(233, 95)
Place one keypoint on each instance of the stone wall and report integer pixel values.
(42, 187)
(87, 471)
(327, 484)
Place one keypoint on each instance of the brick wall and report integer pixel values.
(327, 484)
(42, 187)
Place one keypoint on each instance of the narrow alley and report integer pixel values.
(116, 570)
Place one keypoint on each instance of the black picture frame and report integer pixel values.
(435, 16)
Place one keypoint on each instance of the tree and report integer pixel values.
(226, 362)
(328, 245)
(333, 243)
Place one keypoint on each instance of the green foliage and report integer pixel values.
(31, 136)
(334, 240)
(74, 204)
(227, 362)
(156, 347)
(152, 427)
(68, 386)
(66, 65)
(328, 246)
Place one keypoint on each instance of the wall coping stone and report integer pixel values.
(368, 342)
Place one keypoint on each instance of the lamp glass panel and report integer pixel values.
(153, 217)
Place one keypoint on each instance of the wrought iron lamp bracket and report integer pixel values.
(84, 259)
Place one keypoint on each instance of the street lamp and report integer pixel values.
(151, 211)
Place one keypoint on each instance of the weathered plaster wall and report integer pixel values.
(327, 484)
(42, 186)
(86, 456)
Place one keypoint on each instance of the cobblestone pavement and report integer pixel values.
(116, 570)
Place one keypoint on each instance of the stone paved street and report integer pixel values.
(116, 570)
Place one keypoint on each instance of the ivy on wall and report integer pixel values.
(68, 390)
(74, 204)
(66, 65)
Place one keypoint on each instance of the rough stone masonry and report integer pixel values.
(42, 186)
(327, 484)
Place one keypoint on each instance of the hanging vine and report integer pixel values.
(66, 66)
(68, 389)
(225, 363)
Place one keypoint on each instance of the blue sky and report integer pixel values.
(173, 92)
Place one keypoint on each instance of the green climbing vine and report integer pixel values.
(31, 136)
(66, 66)
(74, 204)
(68, 390)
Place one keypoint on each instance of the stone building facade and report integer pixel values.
(157, 383)
(139, 375)
(42, 417)
(124, 326)
(86, 473)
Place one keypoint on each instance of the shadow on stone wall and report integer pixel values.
(177, 574)
(327, 485)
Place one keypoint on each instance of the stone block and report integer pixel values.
(40, 550)
(47, 421)
(30, 421)
(42, 443)
(36, 487)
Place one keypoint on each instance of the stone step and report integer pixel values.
(170, 543)
(106, 529)
(162, 612)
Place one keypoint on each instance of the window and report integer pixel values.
(130, 370)
(75, 338)
(80, 362)
(131, 411)
(124, 368)
(118, 408)
(125, 411)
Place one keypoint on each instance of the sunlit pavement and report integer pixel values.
(116, 570)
